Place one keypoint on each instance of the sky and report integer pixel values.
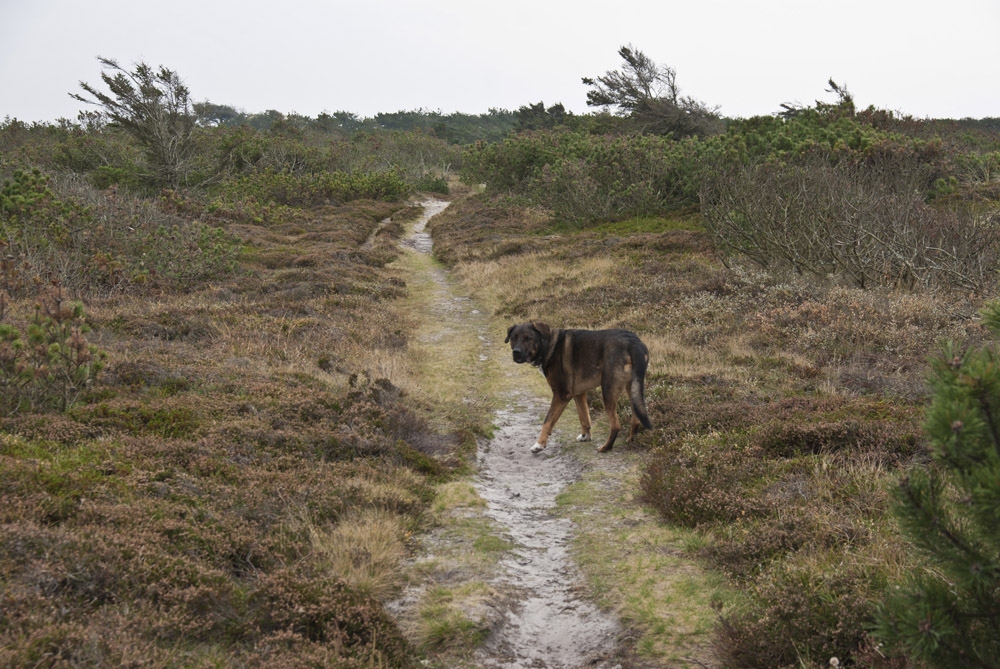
(746, 57)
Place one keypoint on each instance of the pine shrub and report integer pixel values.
(948, 614)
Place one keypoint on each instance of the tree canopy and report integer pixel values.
(152, 105)
(648, 94)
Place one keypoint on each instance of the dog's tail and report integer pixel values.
(637, 387)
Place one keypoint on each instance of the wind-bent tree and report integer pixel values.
(948, 615)
(844, 106)
(648, 93)
(154, 106)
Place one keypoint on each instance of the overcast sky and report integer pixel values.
(928, 59)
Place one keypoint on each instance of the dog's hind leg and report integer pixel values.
(584, 412)
(610, 396)
(636, 424)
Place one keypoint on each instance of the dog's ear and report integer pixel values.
(542, 329)
(509, 330)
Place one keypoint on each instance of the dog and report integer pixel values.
(573, 362)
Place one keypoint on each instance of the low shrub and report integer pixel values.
(56, 365)
(177, 422)
(324, 610)
(691, 487)
(100, 242)
(791, 500)
(785, 440)
(432, 184)
(802, 615)
(311, 189)
(583, 177)
(861, 221)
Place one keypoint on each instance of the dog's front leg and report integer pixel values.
(555, 410)
(584, 412)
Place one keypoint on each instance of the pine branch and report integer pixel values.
(991, 422)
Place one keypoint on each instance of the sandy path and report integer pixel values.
(547, 624)
(551, 625)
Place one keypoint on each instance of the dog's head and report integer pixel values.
(528, 341)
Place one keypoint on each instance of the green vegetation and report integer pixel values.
(226, 455)
(946, 615)
(864, 197)
(154, 107)
(56, 364)
(648, 95)
(195, 502)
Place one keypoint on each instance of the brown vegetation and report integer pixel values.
(240, 485)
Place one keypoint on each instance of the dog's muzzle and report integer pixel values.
(519, 355)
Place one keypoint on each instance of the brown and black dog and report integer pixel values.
(574, 361)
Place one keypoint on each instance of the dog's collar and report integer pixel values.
(545, 353)
(538, 359)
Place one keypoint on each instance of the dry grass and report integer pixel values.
(454, 620)
(640, 568)
(456, 495)
(364, 549)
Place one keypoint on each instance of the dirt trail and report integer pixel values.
(549, 624)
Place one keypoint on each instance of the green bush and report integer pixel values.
(62, 229)
(583, 177)
(56, 365)
(105, 155)
(304, 190)
(432, 184)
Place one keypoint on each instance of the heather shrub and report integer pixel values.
(804, 613)
(320, 609)
(691, 483)
(103, 243)
(784, 439)
(791, 499)
(175, 422)
(149, 523)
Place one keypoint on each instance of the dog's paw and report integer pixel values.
(583, 437)
(537, 448)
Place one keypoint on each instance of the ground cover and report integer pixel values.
(243, 480)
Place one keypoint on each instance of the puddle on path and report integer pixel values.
(548, 624)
